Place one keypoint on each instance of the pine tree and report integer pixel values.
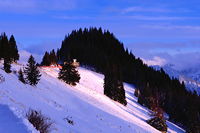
(13, 49)
(1, 48)
(21, 76)
(58, 56)
(53, 57)
(46, 60)
(31, 71)
(7, 65)
(113, 85)
(69, 74)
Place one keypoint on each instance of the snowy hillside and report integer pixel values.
(84, 104)
(10, 123)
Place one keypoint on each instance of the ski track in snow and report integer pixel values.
(85, 104)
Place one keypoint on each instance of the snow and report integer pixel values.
(9, 123)
(85, 104)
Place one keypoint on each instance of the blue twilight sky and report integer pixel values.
(160, 31)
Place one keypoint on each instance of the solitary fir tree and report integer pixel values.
(31, 71)
(113, 85)
(7, 65)
(21, 76)
(69, 74)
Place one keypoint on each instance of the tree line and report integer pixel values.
(49, 58)
(8, 51)
(102, 51)
(8, 48)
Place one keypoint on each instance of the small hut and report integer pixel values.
(75, 63)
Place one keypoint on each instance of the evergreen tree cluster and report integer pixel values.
(8, 48)
(8, 51)
(96, 48)
(49, 58)
(85, 41)
(113, 85)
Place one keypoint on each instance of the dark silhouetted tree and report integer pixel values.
(49, 58)
(14, 51)
(21, 76)
(53, 57)
(31, 71)
(46, 60)
(4, 47)
(113, 85)
(69, 74)
(7, 66)
(58, 55)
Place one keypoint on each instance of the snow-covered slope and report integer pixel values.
(85, 104)
(10, 123)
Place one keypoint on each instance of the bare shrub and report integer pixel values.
(69, 120)
(39, 121)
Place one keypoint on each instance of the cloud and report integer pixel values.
(175, 27)
(42, 47)
(182, 61)
(179, 61)
(26, 6)
(159, 18)
(155, 61)
(9, 5)
(144, 9)
(183, 55)
(191, 45)
(24, 56)
(64, 17)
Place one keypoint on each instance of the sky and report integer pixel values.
(158, 31)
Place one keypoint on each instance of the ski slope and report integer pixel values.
(85, 104)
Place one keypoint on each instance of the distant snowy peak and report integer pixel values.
(169, 70)
(191, 77)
